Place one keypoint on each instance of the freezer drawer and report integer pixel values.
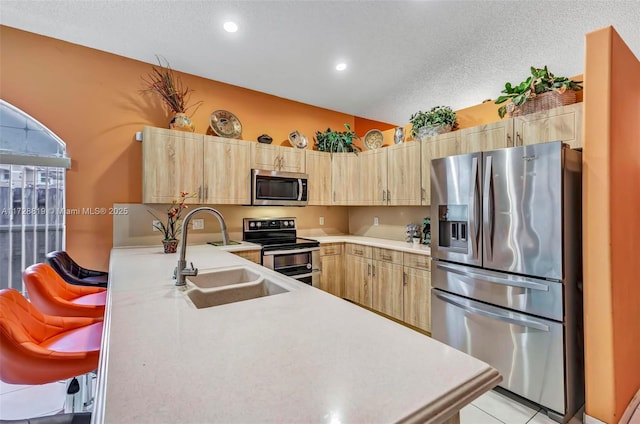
(525, 294)
(526, 350)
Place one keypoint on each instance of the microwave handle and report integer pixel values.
(299, 188)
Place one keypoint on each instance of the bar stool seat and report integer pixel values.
(73, 273)
(53, 296)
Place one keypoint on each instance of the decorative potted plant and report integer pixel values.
(561, 91)
(336, 141)
(438, 120)
(163, 81)
(172, 228)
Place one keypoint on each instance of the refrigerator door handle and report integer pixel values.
(495, 279)
(488, 209)
(493, 315)
(474, 214)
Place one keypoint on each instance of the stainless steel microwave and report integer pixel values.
(277, 188)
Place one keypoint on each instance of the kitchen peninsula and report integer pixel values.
(300, 356)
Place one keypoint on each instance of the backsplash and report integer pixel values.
(391, 220)
(135, 227)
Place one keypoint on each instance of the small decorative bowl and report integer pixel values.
(265, 138)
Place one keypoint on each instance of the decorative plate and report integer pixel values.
(298, 140)
(225, 124)
(373, 139)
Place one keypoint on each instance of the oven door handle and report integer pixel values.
(309, 274)
(299, 189)
(289, 252)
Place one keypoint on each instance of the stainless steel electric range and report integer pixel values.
(282, 249)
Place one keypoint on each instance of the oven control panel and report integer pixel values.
(261, 224)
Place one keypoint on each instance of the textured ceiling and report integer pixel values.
(402, 55)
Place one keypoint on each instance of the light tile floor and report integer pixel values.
(34, 401)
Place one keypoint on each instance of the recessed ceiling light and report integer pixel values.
(341, 66)
(230, 26)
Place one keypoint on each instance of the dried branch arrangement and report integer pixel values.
(164, 82)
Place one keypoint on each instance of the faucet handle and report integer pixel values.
(192, 272)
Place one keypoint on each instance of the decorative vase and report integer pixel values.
(398, 135)
(170, 246)
(182, 122)
(424, 132)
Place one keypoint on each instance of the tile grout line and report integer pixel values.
(494, 417)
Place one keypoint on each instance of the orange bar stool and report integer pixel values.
(37, 349)
(53, 296)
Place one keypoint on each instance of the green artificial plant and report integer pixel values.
(540, 81)
(438, 116)
(336, 141)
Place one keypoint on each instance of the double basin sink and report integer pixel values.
(214, 288)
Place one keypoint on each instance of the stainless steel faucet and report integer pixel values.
(181, 270)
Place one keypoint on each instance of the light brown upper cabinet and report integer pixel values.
(496, 135)
(373, 177)
(447, 144)
(227, 171)
(403, 176)
(562, 123)
(345, 178)
(319, 184)
(277, 158)
(216, 169)
(171, 163)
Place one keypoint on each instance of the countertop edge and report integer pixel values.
(375, 242)
(451, 403)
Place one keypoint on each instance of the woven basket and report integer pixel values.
(544, 101)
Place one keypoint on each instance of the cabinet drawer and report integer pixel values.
(359, 250)
(387, 255)
(331, 249)
(414, 260)
(252, 255)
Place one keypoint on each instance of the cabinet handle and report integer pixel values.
(519, 139)
(369, 269)
(420, 264)
(386, 258)
(404, 278)
(509, 142)
(384, 195)
(199, 193)
(206, 192)
(374, 270)
(281, 162)
(388, 195)
(358, 252)
(334, 196)
(424, 194)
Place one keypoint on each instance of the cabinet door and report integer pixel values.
(357, 280)
(319, 183)
(227, 171)
(440, 146)
(388, 289)
(492, 136)
(171, 163)
(562, 123)
(292, 159)
(417, 298)
(265, 156)
(373, 183)
(252, 255)
(345, 178)
(404, 174)
(332, 274)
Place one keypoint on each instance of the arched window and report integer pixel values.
(32, 193)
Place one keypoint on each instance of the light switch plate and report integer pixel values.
(198, 224)
(375, 220)
(322, 220)
(155, 225)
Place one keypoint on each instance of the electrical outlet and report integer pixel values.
(322, 220)
(155, 224)
(198, 224)
(375, 220)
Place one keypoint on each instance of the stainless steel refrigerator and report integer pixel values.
(506, 271)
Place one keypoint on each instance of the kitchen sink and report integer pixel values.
(233, 293)
(208, 280)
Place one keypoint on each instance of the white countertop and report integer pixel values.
(421, 249)
(304, 356)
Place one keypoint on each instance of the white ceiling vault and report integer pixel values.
(402, 56)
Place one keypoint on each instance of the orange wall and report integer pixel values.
(91, 100)
(611, 230)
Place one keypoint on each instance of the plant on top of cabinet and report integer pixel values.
(438, 120)
(540, 81)
(163, 82)
(336, 141)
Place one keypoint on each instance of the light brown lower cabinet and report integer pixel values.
(388, 289)
(252, 255)
(357, 280)
(332, 268)
(417, 298)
